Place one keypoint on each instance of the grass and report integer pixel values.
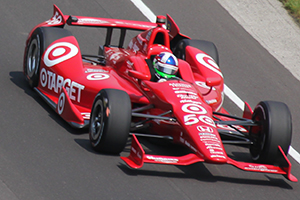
(293, 6)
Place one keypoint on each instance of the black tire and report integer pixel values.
(275, 128)
(110, 121)
(40, 39)
(206, 46)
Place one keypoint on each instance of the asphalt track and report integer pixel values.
(41, 157)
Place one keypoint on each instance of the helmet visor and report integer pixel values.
(165, 68)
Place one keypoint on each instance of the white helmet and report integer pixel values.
(166, 64)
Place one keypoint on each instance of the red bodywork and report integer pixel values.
(70, 84)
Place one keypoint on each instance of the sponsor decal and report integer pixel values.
(86, 115)
(183, 96)
(59, 52)
(180, 85)
(261, 168)
(129, 64)
(193, 108)
(162, 159)
(211, 101)
(56, 19)
(206, 134)
(61, 103)
(189, 101)
(185, 92)
(217, 156)
(226, 127)
(205, 129)
(55, 82)
(96, 70)
(136, 153)
(92, 21)
(149, 35)
(97, 76)
(208, 62)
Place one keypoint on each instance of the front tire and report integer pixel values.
(110, 121)
(275, 129)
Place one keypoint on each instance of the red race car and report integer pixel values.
(162, 85)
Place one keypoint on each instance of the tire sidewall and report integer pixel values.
(116, 115)
(33, 78)
(276, 129)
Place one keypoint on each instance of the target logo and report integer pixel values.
(61, 103)
(59, 52)
(97, 76)
(194, 109)
(43, 77)
(208, 62)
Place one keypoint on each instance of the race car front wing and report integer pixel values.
(137, 158)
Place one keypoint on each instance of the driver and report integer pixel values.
(165, 66)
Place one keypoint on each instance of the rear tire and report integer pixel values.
(110, 121)
(275, 129)
(32, 58)
(206, 46)
(40, 39)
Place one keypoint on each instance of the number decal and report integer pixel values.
(207, 120)
(190, 119)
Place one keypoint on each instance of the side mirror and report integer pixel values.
(213, 81)
(138, 75)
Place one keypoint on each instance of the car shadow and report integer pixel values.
(17, 77)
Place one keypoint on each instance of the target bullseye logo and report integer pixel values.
(43, 77)
(97, 76)
(194, 109)
(59, 52)
(208, 62)
(61, 103)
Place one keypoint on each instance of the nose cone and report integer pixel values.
(212, 148)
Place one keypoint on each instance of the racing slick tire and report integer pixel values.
(206, 46)
(110, 121)
(274, 129)
(40, 39)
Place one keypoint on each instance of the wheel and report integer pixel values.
(110, 121)
(275, 128)
(40, 39)
(206, 46)
(33, 57)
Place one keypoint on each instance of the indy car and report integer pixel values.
(113, 93)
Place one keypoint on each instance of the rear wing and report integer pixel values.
(58, 19)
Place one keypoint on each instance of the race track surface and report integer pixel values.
(42, 157)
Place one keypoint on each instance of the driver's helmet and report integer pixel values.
(165, 65)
